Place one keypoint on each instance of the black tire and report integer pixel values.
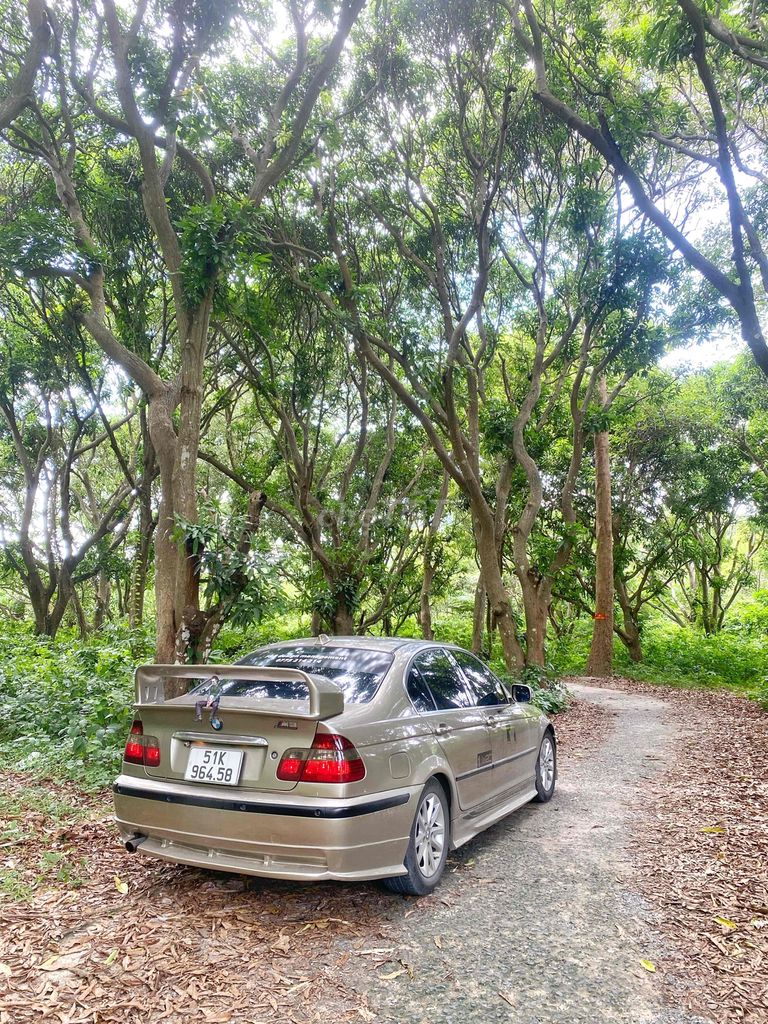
(416, 882)
(545, 793)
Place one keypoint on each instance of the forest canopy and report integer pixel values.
(344, 317)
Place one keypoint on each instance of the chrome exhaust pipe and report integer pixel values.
(134, 842)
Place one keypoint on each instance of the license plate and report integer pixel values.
(212, 764)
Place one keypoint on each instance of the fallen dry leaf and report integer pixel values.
(283, 943)
(62, 961)
(725, 922)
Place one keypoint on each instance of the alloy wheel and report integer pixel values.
(430, 835)
(547, 764)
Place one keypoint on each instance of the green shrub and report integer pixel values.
(725, 658)
(65, 705)
(568, 653)
(549, 693)
(552, 699)
(752, 616)
(759, 693)
(234, 642)
(736, 658)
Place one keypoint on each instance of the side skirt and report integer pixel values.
(469, 825)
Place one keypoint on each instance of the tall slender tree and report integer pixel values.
(680, 112)
(143, 80)
(600, 661)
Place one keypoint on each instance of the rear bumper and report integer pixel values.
(297, 838)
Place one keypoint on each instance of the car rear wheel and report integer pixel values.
(546, 770)
(428, 845)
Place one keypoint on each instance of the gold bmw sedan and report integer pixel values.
(346, 757)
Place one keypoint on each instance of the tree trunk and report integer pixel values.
(630, 637)
(166, 552)
(478, 616)
(429, 566)
(39, 593)
(187, 581)
(716, 600)
(64, 593)
(425, 609)
(138, 584)
(501, 620)
(38, 599)
(630, 634)
(705, 618)
(82, 622)
(176, 578)
(102, 595)
(536, 601)
(498, 597)
(342, 623)
(601, 651)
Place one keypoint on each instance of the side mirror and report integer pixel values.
(522, 693)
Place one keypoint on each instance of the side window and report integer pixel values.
(438, 672)
(486, 689)
(418, 691)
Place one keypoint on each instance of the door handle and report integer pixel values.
(494, 718)
(442, 729)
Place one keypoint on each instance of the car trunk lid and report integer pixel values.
(241, 739)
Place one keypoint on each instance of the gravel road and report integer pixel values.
(536, 921)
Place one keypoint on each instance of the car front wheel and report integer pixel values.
(546, 770)
(427, 846)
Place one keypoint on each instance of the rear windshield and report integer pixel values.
(357, 671)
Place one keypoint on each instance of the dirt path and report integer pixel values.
(537, 923)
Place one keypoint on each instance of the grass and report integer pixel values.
(680, 657)
(30, 817)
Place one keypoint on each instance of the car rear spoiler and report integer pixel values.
(326, 699)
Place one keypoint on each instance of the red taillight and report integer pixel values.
(151, 752)
(331, 759)
(134, 748)
(141, 749)
(291, 763)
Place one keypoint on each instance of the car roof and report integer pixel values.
(367, 643)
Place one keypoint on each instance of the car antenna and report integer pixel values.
(323, 638)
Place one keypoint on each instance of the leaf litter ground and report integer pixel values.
(701, 849)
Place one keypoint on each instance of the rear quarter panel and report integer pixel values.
(396, 743)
